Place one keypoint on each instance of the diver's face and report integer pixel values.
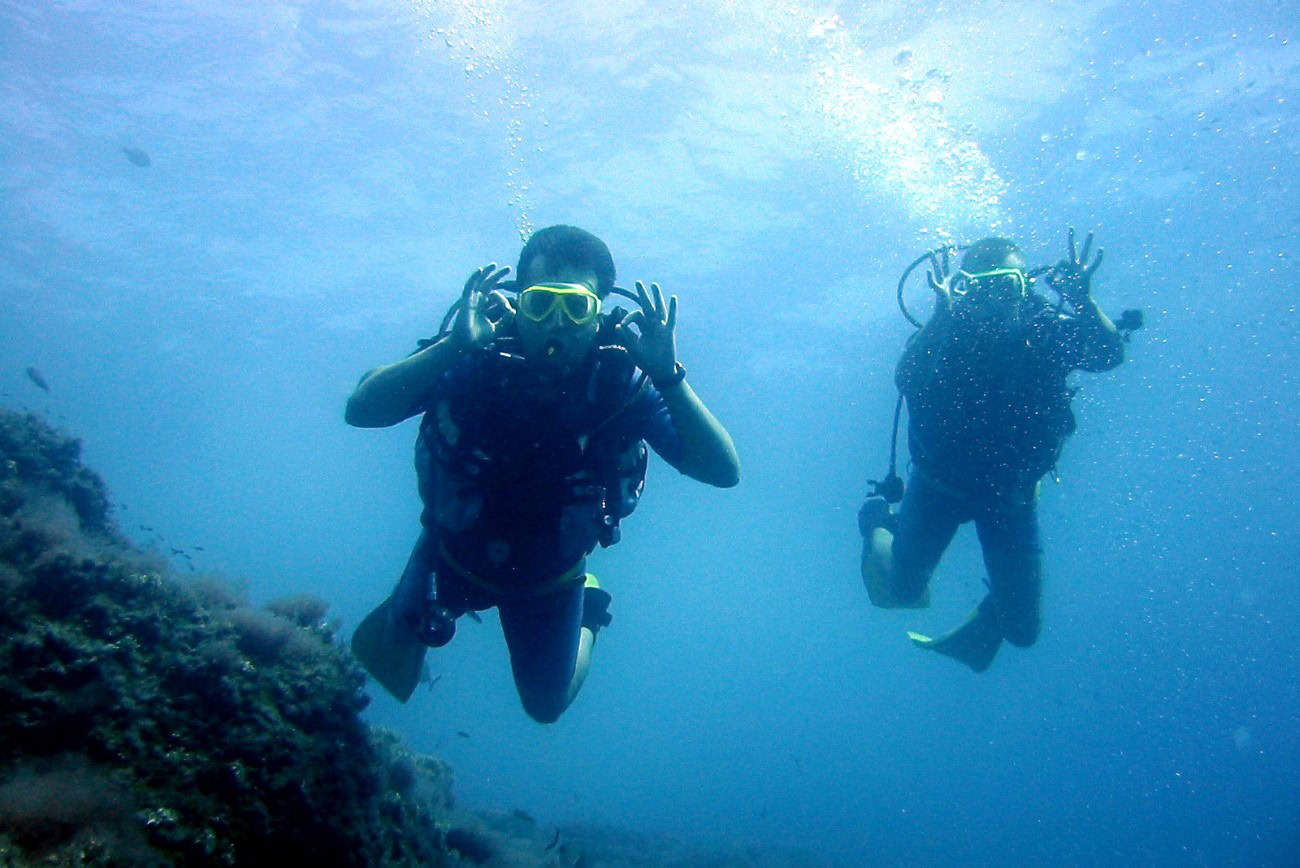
(557, 340)
(993, 298)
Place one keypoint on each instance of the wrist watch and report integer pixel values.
(678, 374)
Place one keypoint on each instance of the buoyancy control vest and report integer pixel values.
(987, 417)
(506, 450)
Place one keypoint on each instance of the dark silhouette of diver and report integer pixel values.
(988, 413)
(537, 406)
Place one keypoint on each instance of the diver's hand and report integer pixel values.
(940, 279)
(483, 308)
(653, 346)
(1073, 275)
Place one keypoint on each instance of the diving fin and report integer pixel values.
(975, 642)
(386, 643)
(389, 650)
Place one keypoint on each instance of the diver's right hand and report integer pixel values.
(1073, 275)
(474, 328)
(940, 279)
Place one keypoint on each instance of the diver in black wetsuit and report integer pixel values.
(989, 411)
(536, 410)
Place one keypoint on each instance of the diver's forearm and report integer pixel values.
(1091, 315)
(707, 451)
(391, 393)
(1103, 345)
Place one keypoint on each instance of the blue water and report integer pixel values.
(322, 178)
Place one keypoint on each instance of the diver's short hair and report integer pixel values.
(573, 247)
(989, 253)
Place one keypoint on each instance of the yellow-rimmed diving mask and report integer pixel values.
(997, 282)
(580, 305)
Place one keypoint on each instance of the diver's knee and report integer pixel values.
(544, 708)
(908, 583)
(907, 595)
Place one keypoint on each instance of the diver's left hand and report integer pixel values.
(653, 346)
(1073, 275)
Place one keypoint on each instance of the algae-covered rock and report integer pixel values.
(34, 458)
(146, 720)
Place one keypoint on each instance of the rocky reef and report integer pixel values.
(149, 719)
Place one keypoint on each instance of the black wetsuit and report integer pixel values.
(988, 410)
(519, 473)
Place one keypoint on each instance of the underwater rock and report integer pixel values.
(150, 721)
(37, 462)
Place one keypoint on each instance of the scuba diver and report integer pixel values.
(537, 407)
(988, 413)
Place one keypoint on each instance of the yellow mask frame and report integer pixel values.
(963, 287)
(579, 304)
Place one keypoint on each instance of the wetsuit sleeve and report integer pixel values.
(654, 424)
(439, 385)
(1076, 345)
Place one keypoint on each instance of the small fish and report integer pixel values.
(462, 733)
(478, 619)
(199, 549)
(137, 157)
(36, 377)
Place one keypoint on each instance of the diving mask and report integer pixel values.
(539, 301)
(997, 282)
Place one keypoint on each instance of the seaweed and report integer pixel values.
(154, 720)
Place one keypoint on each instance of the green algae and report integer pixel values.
(192, 728)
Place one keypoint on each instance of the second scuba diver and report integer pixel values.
(537, 408)
(988, 413)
